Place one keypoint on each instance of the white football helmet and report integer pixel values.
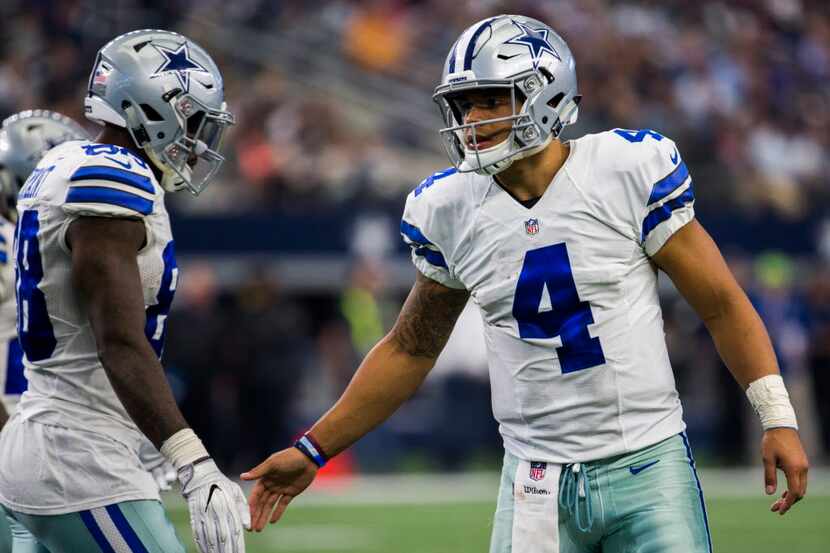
(25, 137)
(168, 93)
(529, 59)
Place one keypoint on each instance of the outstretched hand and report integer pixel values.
(781, 448)
(280, 478)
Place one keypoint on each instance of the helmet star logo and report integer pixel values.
(536, 40)
(178, 61)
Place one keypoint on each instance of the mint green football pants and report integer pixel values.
(648, 501)
(126, 527)
(5, 533)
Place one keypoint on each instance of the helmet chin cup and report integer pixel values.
(171, 181)
(490, 161)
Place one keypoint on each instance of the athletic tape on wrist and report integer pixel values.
(311, 449)
(770, 399)
(183, 448)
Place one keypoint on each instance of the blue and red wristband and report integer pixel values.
(311, 449)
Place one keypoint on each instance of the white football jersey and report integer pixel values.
(68, 389)
(12, 381)
(577, 355)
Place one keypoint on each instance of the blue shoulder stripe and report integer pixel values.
(430, 180)
(126, 531)
(100, 172)
(414, 234)
(2, 239)
(664, 212)
(668, 184)
(434, 257)
(4, 258)
(103, 195)
(420, 244)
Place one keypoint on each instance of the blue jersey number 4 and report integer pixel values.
(549, 268)
(639, 135)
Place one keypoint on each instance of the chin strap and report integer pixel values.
(171, 181)
(502, 164)
(494, 168)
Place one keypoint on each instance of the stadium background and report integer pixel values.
(292, 266)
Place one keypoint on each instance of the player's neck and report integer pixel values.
(528, 178)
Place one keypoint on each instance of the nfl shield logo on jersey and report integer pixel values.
(537, 470)
(532, 226)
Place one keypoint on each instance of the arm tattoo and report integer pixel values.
(428, 317)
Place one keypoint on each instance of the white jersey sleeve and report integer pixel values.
(110, 183)
(658, 187)
(670, 198)
(426, 227)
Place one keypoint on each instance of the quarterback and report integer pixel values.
(96, 275)
(558, 243)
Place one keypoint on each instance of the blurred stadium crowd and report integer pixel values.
(335, 120)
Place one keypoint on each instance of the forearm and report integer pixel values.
(138, 379)
(387, 377)
(741, 339)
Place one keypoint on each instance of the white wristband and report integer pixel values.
(769, 398)
(183, 447)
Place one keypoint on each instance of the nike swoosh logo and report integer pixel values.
(503, 57)
(675, 156)
(125, 165)
(641, 468)
(213, 488)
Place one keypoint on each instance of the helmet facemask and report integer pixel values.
(192, 157)
(528, 134)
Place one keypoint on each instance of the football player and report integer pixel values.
(96, 274)
(558, 243)
(25, 138)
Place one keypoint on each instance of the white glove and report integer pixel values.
(218, 508)
(163, 472)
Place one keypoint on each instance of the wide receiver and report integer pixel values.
(25, 138)
(96, 274)
(558, 243)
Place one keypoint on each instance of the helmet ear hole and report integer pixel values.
(151, 113)
(554, 102)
